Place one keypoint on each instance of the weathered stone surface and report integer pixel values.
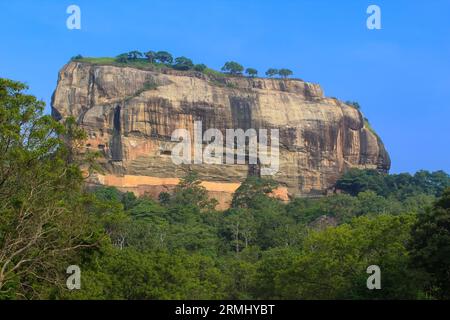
(130, 115)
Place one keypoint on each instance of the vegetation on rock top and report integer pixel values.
(164, 60)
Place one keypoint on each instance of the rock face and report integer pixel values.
(130, 115)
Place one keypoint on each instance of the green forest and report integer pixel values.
(181, 247)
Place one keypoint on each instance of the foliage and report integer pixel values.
(151, 56)
(200, 67)
(264, 249)
(190, 192)
(250, 192)
(430, 246)
(164, 57)
(233, 68)
(181, 247)
(183, 63)
(240, 226)
(332, 263)
(129, 274)
(77, 57)
(354, 104)
(272, 72)
(134, 55)
(284, 73)
(122, 58)
(42, 221)
(399, 186)
(251, 72)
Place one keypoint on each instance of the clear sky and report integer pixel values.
(399, 74)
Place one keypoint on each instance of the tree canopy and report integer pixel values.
(233, 68)
(251, 72)
(430, 246)
(151, 56)
(164, 57)
(134, 55)
(183, 63)
(284, 73)
(272, 72)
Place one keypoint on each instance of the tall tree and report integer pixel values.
(285, 73)
(42, 221)
(233, 68)
(190, 192)
(183, 63)
(151, 56)
(251, 72)
(251, 191)
(430, 247)
(272, 72)
(164, 57)
(241, 225)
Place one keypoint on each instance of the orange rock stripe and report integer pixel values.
(131, 181)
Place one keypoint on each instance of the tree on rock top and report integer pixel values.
(122, 58)
(134, 55)
(183, 63)
(233, 68)
(272, 72)
(200, 67)
(151, 56)
(251, 72)
(284, 73)
(164, 57)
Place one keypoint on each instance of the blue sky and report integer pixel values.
(400, 74)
